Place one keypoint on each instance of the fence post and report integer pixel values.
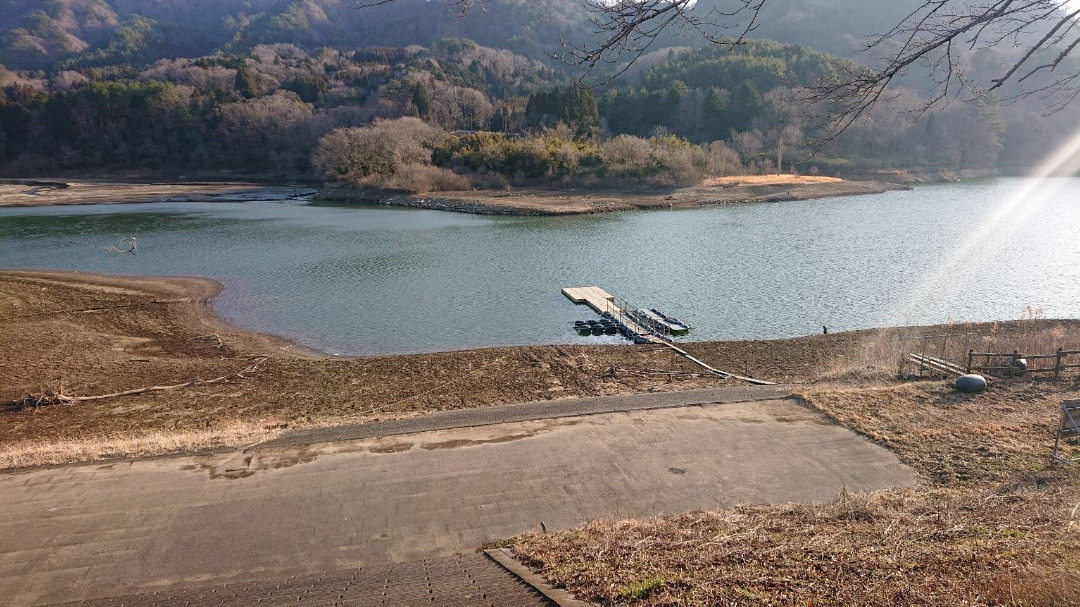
(944, 346)
(1057, 365)
(971, 355)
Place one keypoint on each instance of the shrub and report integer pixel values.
(721, 160)
(536, 158)
(394, 154)
(417, 178)
(627, 156)
(678, 162)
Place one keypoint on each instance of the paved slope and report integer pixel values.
(95, 531)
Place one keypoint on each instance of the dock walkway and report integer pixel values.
(604, 303)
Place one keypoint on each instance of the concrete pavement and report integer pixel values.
(301, 509)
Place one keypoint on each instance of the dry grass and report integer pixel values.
(939, 547)
(137, 444)
(952, 438)
(879, 355)
(994, 524)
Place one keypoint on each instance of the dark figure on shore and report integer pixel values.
(824, 330)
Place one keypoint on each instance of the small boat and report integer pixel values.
(662, 321)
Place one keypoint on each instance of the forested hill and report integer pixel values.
(42, 34)
(281, 88)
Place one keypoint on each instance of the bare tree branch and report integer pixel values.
(626, 29)
(464, 5)
(926, 40)
(934, 37)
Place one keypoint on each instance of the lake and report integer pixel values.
(377, 280)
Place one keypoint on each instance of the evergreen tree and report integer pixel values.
(422, 101)
(714, 116)
(245, 84)
(746, 103)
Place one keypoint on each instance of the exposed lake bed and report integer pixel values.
(81, 335)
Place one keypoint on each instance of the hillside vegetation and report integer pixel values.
(44, 34)
(384, 97)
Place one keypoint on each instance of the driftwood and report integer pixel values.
(57, 396)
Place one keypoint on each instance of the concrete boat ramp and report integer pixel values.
(331, 516)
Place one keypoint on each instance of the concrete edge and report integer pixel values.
(557, 596)
(470, 418)
(523, 412)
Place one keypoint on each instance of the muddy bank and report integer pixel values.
(32, 193)
(87, 335)
(535, 202)
(91, 335)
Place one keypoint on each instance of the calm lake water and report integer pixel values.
(362, 281)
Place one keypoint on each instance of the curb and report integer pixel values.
(530, 411)
(557, 596)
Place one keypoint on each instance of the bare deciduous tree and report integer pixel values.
(933, 36)
(1043, 34)
(626, 29)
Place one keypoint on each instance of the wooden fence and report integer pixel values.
(999, 362)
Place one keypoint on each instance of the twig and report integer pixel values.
(58, 396)
(132, 244)
(213, 336)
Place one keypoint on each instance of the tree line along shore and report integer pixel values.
(456, 115)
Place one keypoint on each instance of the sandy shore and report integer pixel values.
(535, 201)
(725, 190)
(32, 193)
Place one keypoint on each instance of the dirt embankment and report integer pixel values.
(31, 193)
(86, 335)
(531, 202)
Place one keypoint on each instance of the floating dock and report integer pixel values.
(603, 303)
(641, 327)
(594, 297)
